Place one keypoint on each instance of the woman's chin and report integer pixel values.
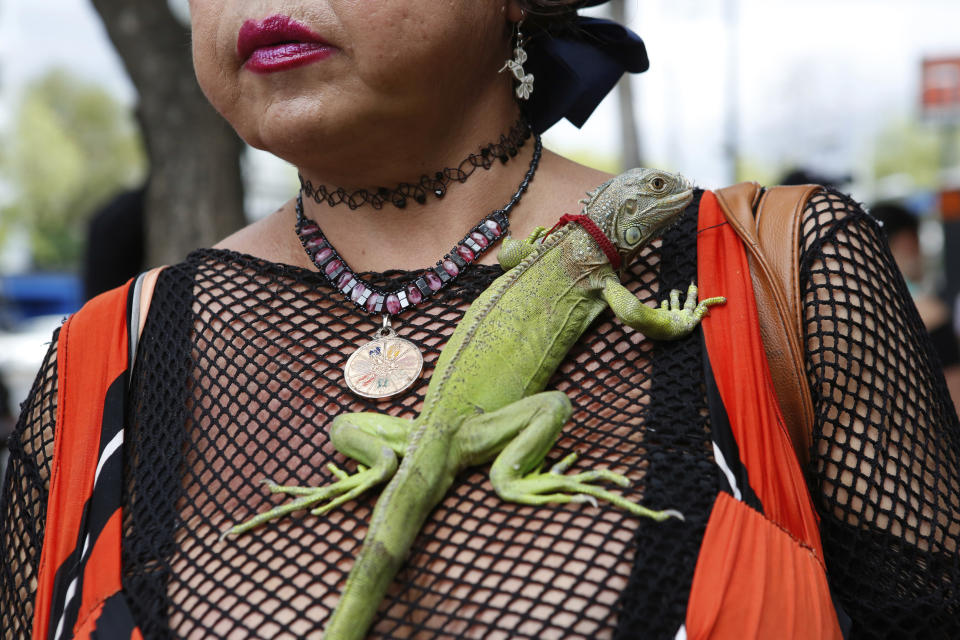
(285, 127)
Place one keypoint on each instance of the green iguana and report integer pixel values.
(486, 401)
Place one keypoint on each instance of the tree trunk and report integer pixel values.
(630, 132)
(195, 194)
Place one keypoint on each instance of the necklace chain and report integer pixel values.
(505, 148)
(376, 300)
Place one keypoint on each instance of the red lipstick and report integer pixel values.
(278, 43)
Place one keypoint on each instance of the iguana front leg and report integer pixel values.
(374, 440)
(512, 252)
(668, 322)
(520, 435)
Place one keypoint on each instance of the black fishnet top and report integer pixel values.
(239, 372)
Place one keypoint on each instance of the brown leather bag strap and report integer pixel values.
(772, 240)
(143, 287)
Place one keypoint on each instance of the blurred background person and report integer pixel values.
(114, 249)
(902, 229)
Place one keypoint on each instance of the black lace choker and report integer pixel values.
(505, 148)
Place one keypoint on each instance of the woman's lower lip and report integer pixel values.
(288, 55)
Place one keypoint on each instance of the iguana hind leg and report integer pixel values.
(374, 440)
(520, 435)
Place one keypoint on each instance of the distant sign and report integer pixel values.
(950, 205)
(940, 91)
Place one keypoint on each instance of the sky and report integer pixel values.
(813, 81)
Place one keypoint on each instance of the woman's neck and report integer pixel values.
(416, 235)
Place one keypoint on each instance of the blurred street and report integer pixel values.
(737, 90)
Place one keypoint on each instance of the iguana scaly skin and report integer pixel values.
(486, 401)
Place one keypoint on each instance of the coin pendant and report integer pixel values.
(383, 367)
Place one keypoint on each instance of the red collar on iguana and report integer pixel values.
(606, 245)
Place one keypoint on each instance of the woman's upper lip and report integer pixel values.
(272, 31)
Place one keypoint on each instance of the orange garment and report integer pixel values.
(758, 574)
(79, 575)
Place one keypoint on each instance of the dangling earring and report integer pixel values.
(525, 88)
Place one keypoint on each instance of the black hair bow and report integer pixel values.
(574, 71)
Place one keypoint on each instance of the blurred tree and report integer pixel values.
(71, 148)
(764, 172)
(195, 194)
(911, 148)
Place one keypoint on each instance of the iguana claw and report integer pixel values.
(588, 476)
(555, 487)
(584, 498)
(346, 488)
(685, 318)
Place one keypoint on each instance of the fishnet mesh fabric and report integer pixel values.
(254, 353)
(24, 500)
(886, 469)
(217, 407)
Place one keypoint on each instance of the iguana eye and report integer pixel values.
(658, 183)
(633, 235)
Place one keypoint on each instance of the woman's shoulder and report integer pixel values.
(269, 239)
(557, 188)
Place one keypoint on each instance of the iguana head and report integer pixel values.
(637, 205)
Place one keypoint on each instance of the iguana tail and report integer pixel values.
(401, 510)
